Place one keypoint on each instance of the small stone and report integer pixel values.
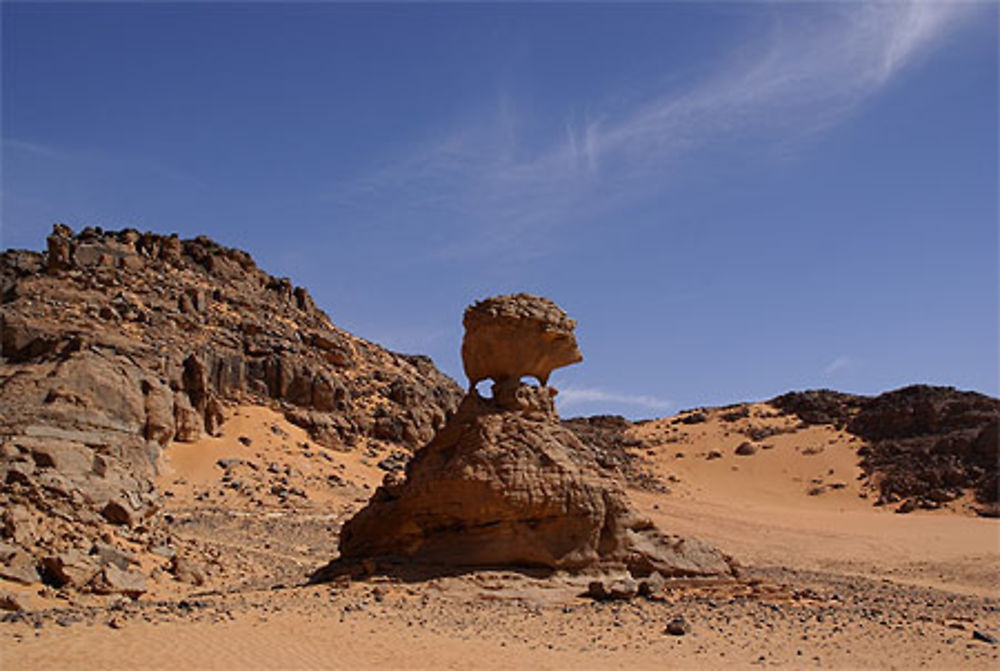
(746, 449)
(105, 553)
(595, 590)
(678, 626)
(984, 637)
(623, 588)
(10, 602)
(652, 586)
(117, 512)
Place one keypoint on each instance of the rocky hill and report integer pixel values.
(927, 445)
(919, 446)
(114, 344)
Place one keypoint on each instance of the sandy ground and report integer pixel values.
(830, 580)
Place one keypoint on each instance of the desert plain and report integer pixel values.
(828, 580)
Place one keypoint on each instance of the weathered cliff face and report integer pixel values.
(505, 483)
(115, 343)
(178, 325)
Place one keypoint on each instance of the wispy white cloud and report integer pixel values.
(577, 396)
(97, 158)
(840, 363)
(35, 148)
(500, 192)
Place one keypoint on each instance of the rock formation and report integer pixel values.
(505, 483)
(113, 344)
(508, 337)
(927, 445)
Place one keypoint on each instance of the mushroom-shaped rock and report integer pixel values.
(507, 337)
(504, 483)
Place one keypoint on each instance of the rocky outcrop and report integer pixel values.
(114, 344)
(820, 406)
(926, 445)
(504, 483)
(931, 444)
(508, 337)
(181, 325)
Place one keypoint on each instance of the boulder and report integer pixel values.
(20, 567)
(678, 626)
(613, 589)
(189, 423)
(187, 571)
(63, 456)
(117, 511)
(71, 568)
(115, 580)
(11, 602)
(106, 553)
(60, 248)
(159, 405)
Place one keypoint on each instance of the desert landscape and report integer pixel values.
(199, 469)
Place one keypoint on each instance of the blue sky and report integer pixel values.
(733, 199)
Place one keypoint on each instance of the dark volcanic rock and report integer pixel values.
(927, 444)
(820, 406)
(931, 442)
(678, 626)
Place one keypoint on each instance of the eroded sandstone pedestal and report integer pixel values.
(505, 484)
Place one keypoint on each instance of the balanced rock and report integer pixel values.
(508, 337)
(505, 484)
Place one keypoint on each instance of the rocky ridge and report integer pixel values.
(114, 344)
